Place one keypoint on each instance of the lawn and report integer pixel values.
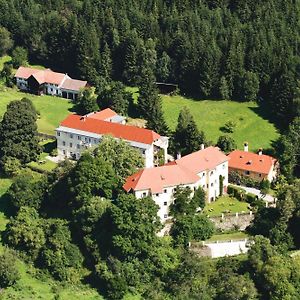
(225, 204)
(228, 236)
(43, 163)
(211, 115)
(52, 109)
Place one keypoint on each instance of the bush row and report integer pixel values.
(241, 194)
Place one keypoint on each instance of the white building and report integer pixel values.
(78, 133)
(48, 82)
(205, 168)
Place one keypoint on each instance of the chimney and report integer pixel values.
(178, 155)
(260, 151)
(246, 147)
(202, 146)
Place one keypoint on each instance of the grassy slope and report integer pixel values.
(52, 109)
(211, 115)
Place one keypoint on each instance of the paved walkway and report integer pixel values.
(55, 159)
(268, 198)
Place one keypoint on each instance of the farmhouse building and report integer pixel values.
(78, 133)
(256, 166)
(207, 168)
(48, 82)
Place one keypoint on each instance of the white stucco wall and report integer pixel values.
(70, 142)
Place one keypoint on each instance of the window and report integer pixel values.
(165, 203)
(144, 151)
(78, 146)
(64, 143)
(259, 175)
(207, 186)
(211, 173)
(165, 216)
(64, 152)
(95, 141)
(223, 166)
(144, 194)
(212, 184)
(165, 190)
(58, 133)
(90, 140)
(203, 186)
(79, 137)
(71, 145)
(71, 135)
(86, 139)
(156, 195)
(247, 172)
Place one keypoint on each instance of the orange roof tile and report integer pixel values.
(126, 132)
(201, 160)
(249, 161)
(156, 179)
(103, 114)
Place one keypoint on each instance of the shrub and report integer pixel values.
(11, 166)
(251, 198)
(236, 192)
(9, 273)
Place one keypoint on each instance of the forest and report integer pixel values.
(213, 49)
(75, 223)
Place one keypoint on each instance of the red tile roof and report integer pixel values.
(181, 171)
(126, 132)
(249, 161)
(201, 160)
(156, 179)
(24, 72)
(42, 76)
(103, 114)
(73, 84)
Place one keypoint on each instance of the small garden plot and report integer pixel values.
(226, 205)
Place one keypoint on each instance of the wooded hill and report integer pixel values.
(223, 49)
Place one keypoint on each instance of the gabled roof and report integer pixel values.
(202, 160)
(181, 171)
(103, 114)
(73, 84)
(126, 132)
(24, 72)
(252, 162)
(41, 76)
(156, 179)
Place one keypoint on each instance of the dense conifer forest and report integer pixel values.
(222, 49)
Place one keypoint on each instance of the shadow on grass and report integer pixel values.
(264, 112)
(48, 147)
(5, 206)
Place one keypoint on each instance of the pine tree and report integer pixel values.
(150, 103)
(187, 137)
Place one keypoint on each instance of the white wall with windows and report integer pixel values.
(71, 143)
